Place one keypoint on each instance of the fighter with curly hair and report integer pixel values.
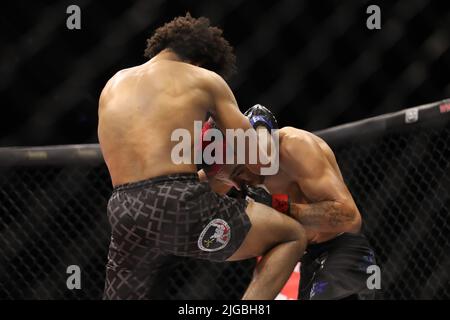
(160, 208)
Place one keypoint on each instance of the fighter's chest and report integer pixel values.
(282, 183)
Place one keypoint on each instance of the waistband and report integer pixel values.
(343, 238)
(175, 177)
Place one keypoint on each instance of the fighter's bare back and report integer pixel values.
(140, 107)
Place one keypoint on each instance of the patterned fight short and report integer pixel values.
(159, 218)
(337, 269)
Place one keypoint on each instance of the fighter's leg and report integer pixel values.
(281, 240)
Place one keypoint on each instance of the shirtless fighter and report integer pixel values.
(309, 187)
(160, 209)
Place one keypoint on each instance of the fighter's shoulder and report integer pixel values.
(294, 140)
(108, 90)
(118, 78)
(210, 79)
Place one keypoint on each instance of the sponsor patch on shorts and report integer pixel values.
(215, 235)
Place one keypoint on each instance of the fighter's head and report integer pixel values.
(241, 175)
(258, 116)
(195, 41)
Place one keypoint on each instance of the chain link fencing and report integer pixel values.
(53, 215)
(400, 182)
(295, 56)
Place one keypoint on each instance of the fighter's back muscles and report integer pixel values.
(139, 110)
(330, 205)
(141, 107)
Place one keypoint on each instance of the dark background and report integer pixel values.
(313, 62)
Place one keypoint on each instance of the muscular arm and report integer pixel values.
(224, 107)
(324, 216)
(227, 115)
(220, 183)
(331, 207)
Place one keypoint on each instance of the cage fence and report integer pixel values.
(53, 215)
(295, 56)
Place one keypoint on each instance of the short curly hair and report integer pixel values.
(194, 40)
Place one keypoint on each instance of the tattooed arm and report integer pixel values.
(324, 216)
(331, 207)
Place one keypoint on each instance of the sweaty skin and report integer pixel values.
(140, 107)
(310, 175)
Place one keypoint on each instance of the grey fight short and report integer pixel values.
(337, 269)
(173, 215)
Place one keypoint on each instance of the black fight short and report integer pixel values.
(162, 217)
(337, 269)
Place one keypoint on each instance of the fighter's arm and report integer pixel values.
(219, 183)
(331, 207)
(224, 107)
(227, 115)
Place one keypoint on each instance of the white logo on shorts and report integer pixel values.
(215, 236)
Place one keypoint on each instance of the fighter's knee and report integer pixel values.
(299, 234)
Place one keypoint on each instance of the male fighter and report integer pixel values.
(309, 187)
(159, 208)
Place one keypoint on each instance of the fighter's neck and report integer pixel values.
(166, 54)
